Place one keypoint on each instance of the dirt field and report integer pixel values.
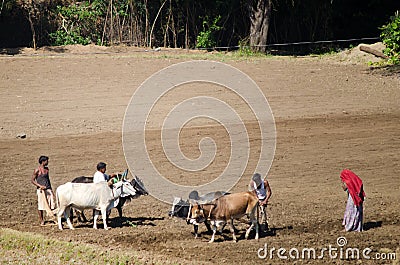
(330, 114)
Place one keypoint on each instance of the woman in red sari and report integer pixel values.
(353, 216)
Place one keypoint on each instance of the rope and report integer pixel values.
(289, 43)
(214, 48)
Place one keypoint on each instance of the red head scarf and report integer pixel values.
(354, 185)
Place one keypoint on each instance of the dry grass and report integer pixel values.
(28, 248)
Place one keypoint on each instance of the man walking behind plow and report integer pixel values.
(263, 192)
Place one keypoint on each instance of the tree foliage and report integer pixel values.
(391, 37)
(207, 37)
(78, 23)
(185, 23)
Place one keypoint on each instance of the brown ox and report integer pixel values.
(224, 209)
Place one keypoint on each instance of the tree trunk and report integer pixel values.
(260, 13)
(154, 23)
(187, 27)
(374, 52)
(112, 23)
(32, 29)
(146, 29)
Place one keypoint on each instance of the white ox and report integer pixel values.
(98, 196)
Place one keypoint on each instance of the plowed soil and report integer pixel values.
(329, 115)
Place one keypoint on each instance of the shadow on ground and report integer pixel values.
(372, 225)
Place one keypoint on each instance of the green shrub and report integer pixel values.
(206, 38)
(62, 37)
(79, 23)
(390, 36)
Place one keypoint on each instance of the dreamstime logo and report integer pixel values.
(341, 251)
(197, 96)
(341, 241)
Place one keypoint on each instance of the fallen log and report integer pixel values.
(373, 51)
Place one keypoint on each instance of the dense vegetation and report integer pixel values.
(391, 37)
(187, 24)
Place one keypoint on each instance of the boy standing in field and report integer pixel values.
(41, 179)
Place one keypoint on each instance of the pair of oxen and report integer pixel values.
(81, 193)
(218, 209)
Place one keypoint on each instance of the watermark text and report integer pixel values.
(337, 251)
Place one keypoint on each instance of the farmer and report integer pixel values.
(101, 175)
(263, 192)
(353, 216)
(40, 178)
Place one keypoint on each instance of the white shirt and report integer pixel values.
(98, 177)
(261, 192)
